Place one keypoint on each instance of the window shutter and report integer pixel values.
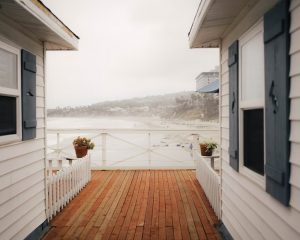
(276, 38)
(28, 95)
(233, 63)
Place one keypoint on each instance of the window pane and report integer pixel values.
(8, 69)
(8, 115)
(252, 68)
(254, 140)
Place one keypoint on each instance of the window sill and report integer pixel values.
(254, 177)
(8, 139)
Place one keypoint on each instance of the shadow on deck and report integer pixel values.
(142, 204)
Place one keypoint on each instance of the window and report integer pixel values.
(10, 94)
(251, 103)
(254, 140)
(259, 125)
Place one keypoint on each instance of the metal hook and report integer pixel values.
(233, 103)
(274, 98)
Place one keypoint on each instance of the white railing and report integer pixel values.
(210, 181)
(134, 148)
(65, 181)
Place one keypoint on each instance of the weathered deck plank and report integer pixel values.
(145, 204)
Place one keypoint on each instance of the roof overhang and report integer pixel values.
(40, 23)
(212, 87)
(213, 18)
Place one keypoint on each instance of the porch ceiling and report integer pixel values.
(37, 21)
(212, 19)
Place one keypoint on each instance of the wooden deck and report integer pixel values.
(143, 204)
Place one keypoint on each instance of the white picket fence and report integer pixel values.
(210, 181)
(65, 182)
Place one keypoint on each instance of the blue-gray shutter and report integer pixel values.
(233, 65)
(277, 86)
(28, 73)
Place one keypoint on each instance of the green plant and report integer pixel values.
(210, 145)
(83, 142)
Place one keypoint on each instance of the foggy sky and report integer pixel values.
(127, 48)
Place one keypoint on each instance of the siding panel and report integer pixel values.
(32, 223)
(254, 228)
(18, 188)
(8, 207)
(19, 162)
(295, 17)
(295, 153)
(8, 220)
(295, 196)
(295, 109)
(22, 222)
(295, 130)
(18, 175)
(295, 176)
(295, 86)
(295, 62)
(282, 220)
(295, 38)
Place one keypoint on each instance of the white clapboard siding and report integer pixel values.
(20, 148)
(8, 220)
(19, 174)
(30, 224)
(22, 164)
(9, 206)
(295, 104)
(40, 81)
(18, 188)
(248, 211)
(19, 162)
(22, 222)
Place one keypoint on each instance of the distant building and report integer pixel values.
(207, 82)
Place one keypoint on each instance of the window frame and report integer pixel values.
(260, 180)
(13, 93)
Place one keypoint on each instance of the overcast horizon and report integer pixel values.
(127, 49)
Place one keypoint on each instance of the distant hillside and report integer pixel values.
(182, 105)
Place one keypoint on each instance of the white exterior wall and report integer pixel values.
(22, 164)
(248, 212)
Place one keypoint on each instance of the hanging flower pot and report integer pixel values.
(207, 148)
(81, 151)
(82, 145)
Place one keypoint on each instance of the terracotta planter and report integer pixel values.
(204, 151)
(81, 151)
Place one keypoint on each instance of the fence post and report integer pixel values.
(58, 144)
(103, 148)
(60, 164)
(149, 149)
(195, 146)
(50, 167)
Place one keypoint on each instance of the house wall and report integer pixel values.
(248, 212)
(22, 164)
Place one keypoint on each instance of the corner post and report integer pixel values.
(149, 149)
(103, 148)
